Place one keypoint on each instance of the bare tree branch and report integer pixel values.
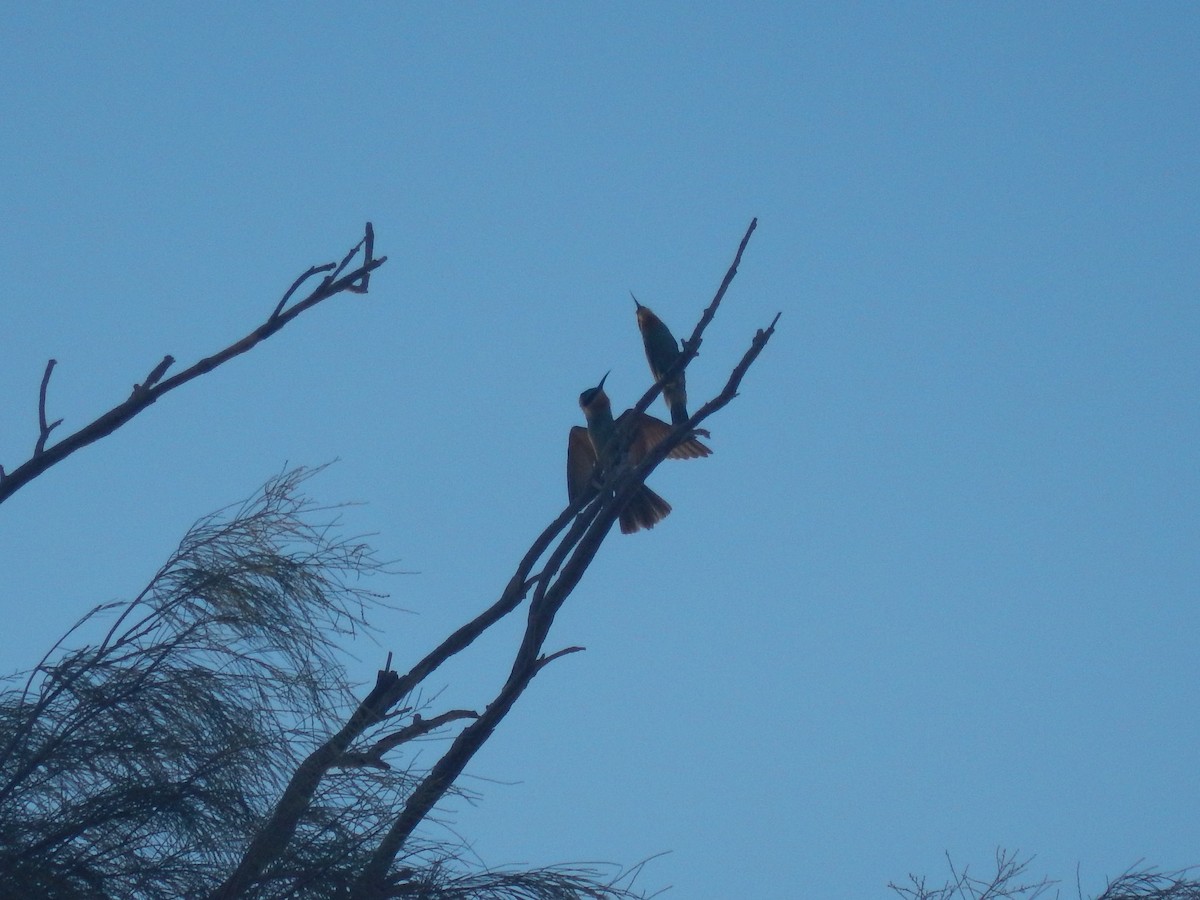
(389, 689)
(560, 574)
(152, 388)
(276, 845)
(587, 521)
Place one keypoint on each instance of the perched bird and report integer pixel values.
(592, 450)
(661, 352)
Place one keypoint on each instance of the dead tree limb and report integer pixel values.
(145, 394)
(575, 536)
(559, 576)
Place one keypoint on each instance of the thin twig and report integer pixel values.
(341, 267)
(545, 660)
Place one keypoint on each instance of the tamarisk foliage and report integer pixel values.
(1010, 881)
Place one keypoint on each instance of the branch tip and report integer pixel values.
(368, 255)
(545, 660)
(367, 245)
(156, 385)
(155, 375)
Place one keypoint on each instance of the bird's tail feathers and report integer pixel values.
(644, 510)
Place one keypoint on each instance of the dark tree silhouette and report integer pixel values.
(202, 739)
(205, 743)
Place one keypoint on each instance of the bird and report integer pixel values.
(593, 450)
(661, 352)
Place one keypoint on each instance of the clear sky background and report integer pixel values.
(936, 589)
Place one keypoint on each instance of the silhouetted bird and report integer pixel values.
(592, 450)
(661, 352)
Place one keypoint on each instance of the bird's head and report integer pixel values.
(644, 316)
(594, 398)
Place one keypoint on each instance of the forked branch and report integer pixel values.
(44, 429)
(153, 387)
(565, 550)
(560, 574)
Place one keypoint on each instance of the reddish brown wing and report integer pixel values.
(650, 431)
(691, 448)
(581, 460)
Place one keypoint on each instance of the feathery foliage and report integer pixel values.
(135, 765)
(1009, 882)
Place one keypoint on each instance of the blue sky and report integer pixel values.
(936, 589)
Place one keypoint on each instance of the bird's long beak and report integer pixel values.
(600, 386)
(635, 300)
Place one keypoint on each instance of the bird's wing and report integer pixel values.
(650, 432)
(691, 448)
(581, 460)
